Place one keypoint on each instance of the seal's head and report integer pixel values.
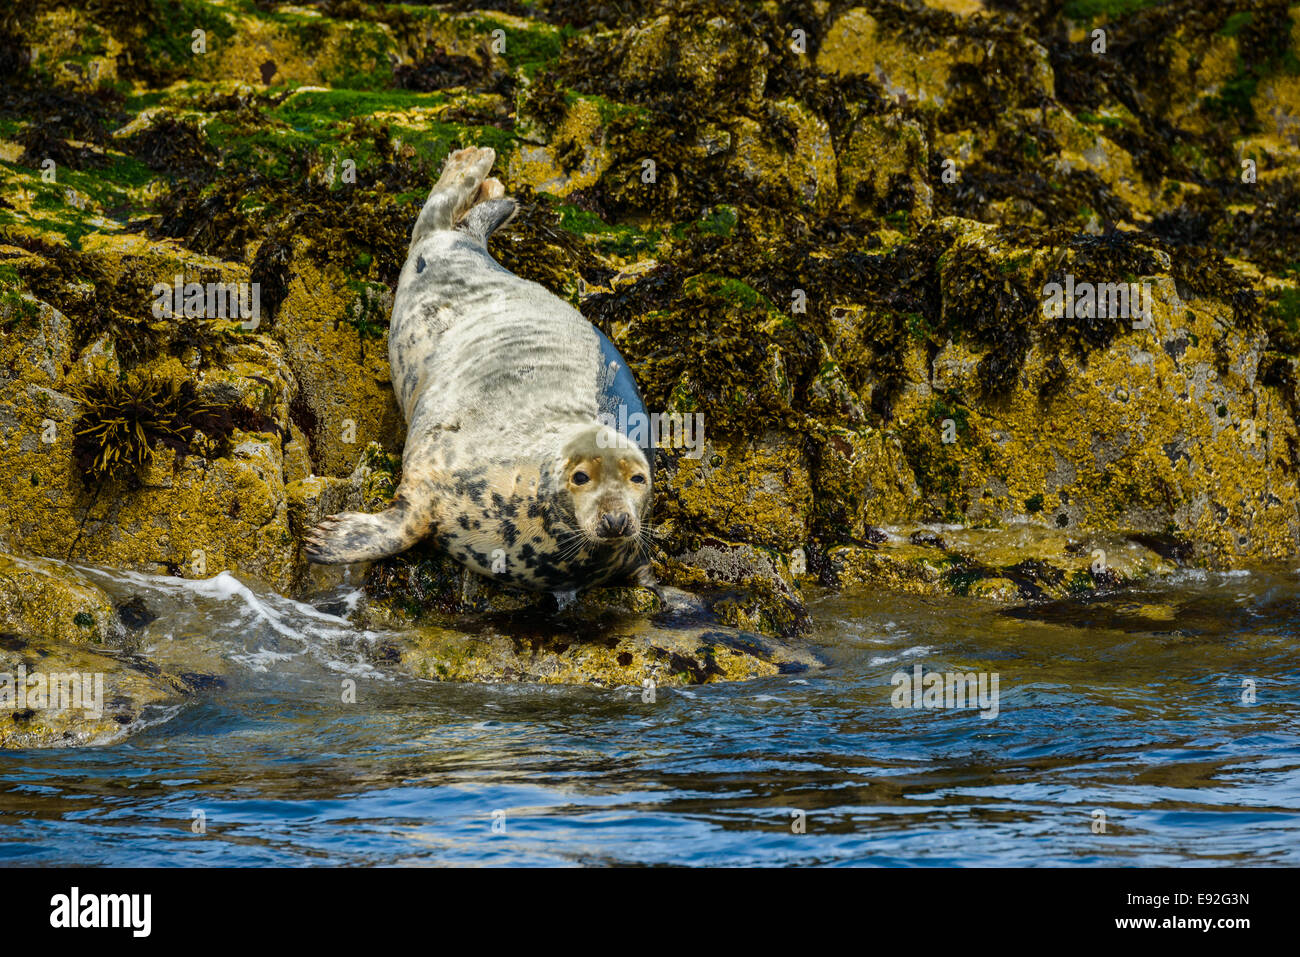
(604, 480)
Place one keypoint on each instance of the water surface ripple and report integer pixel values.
(1130, 705)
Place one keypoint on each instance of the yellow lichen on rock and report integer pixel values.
(50, 599)
(641, 657)
(766, 483)
(341, 365)
(539, 165)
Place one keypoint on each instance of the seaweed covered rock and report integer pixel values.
(826, 237)
(164, 456)
(1018, 563)
(597, 644)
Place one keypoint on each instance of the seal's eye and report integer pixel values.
(638, 478)
(580, 478)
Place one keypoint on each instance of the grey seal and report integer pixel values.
(510, 465)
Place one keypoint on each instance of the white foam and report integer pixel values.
(273, 628)
(261, 659)
(905, 653)
(359, 669)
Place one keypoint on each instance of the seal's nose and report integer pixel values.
(614, 525)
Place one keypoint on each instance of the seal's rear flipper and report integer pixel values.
(462, 184)
(358, 537)
(487, 217)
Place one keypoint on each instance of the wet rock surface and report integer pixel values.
(107, 696)
(71, 671)
(827, 230)
(609, 641)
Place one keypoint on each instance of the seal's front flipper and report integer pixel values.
(358, 537)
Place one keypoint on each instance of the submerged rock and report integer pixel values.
(54, 694)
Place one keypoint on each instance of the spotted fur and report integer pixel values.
(498, 379)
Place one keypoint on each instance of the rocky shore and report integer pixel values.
(969, 300)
